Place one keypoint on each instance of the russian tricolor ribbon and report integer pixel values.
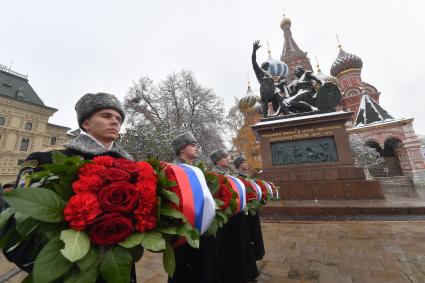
(275, 191)
(198, 203)
(239, 188)
(269, 188)
(257, 189)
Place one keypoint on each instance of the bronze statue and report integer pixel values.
(300, 96)
(269, 91)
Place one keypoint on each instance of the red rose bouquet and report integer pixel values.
(252, 202)
(93, 218)
(265, 196)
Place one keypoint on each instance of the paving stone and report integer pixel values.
(322, 252)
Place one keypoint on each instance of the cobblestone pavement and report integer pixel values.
(324, 252)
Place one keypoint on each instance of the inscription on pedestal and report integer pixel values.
(295, 134)
(313, 150)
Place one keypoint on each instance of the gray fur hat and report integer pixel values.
(181, 141)
(238, 161)
(217, 155)
(90, 103)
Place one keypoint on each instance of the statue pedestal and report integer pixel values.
(309, 158)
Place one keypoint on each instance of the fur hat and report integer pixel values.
(238, 161)
(90, 103)
(181, 141)
(217, 155)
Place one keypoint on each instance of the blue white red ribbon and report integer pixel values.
(257, 189)
(198, 203)
(269, 188)
(240, 190)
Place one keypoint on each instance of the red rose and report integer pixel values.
(145, 223)
(90, 169)
(145, 169)
(114, 174)
(118, 197)
(263, 189)
(145, 212)
(104, 160)
(127, 165)
(224, 192)
(251, 194)
(87, 184)
(81, 210)
(110, 229)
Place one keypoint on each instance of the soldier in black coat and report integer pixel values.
(100, 116)
(194, 265)
(254, 226)
(237, 257)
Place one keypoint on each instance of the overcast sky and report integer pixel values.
(69, 48)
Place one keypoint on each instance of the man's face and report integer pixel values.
(244, 166)
(190, 151)
(104, 125)
(223, 162)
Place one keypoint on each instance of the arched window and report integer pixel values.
(28, 126)
(2, 120)
(53, 141)
(24, 144)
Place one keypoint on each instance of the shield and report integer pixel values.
(328, 97)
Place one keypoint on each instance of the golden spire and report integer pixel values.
(317, 64)
(339, 43)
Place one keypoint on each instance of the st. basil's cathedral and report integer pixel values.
(393, 138)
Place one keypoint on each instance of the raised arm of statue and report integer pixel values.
(259, 73)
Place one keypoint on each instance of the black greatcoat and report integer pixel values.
(24, 255)
(236, 253)
(255, 232)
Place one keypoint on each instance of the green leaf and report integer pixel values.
(116, 266)
(9, 235)
(153, 241)
(171, 230)
(191, 234)
(218, 202)
(162, 180)
(171, 212)
(132, 240)
(50, 264)
(76, 160)
(168, 260)
(5, 216)
(55, 168)
(51, 230)
(136, 252)
(77, 244)
(38, 203)
(201, 166)
(171, 196)
(212, 230)
(155, 164)
(58, 157)
(88, 275)
(212, 182)
(39, 175)
(26, 226)
(89, 259)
